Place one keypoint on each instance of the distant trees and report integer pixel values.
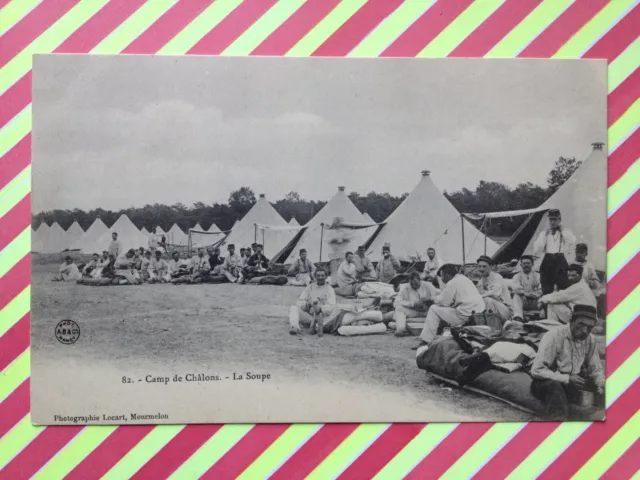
(561, 171)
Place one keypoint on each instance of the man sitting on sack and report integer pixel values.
(413, 301)
(560, 304)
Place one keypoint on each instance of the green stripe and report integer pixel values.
(477, 455)
(210, 452)
(611, 451)
(624, 124)
(624, 65)
(74, 452)
(624, 249)
(142, 452)
(15, 310)
(622, 378)
(15, 191)
(48, 41)
(16, 373)
(199, 27)
(15, 130)
(417, 449)
(278, 451)
(325, 28)
(15, 251)
(133, 26)
(390, 28)
(14, 11)
(347, 451)
(16, 439)
(263, 27)
(460, 28)
(518, 38)
(623, 314)
(624, 187)
(593, 30)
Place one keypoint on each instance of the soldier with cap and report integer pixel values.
(232, 265)
(257, 264)
(589, 273)
(526, 288)
(388, 265)
(303, 269)
(364, 267)
(560, 304)
(494, 290)
(567, 361)
(555, 246)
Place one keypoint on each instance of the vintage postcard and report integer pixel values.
(249, 240)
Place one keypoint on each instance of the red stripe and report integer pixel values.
(449, 451)
(243, 453)
(14, 407)
(356, 28)
(15, 221)
(623, 97)
(563, 28)
(623, 283)
(15, 98)
(295, 27)
(31, 26)
(176, 451)
(624, 345)
(15, 280)
(39, 451)
(15, 161)
(3, 3)
(623, 158)
(596, 435)
(426, 28)
(494, 28)
(14, 341)
(626, 466)
(172, 22)
(380, 452)
(515, 451)
(618, 38)
(314, 451)
(109, 452)
(623, 220)
(234, 25)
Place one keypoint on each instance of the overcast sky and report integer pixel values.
(120, 131)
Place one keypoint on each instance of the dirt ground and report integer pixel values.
(225, 328)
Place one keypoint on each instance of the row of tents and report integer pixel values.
(424, 219)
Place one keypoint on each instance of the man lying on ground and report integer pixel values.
(68, 271)
(303, 269)
(567, 361)
(526, 288)
(494, 290)
(347, 277)
(560, 304)
(453, 307)
(413, 301)
(158, 269)
(364, 267)
(91, 266)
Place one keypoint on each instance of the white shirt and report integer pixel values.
(431, 266)
(562, 241)
(577, 294)
(408, 297)
(461, 294)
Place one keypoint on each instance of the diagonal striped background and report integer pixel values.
(423, 28)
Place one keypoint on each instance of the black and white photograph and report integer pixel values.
(317, 240)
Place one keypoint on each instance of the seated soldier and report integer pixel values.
(413, 301)
(364, 268)
(215, 260)
(179, 268)
(200, 267)
(256, 265)
(232, 265)
(144, 266)
(243, 259)
(317, 300)
(91, 266)
(158, 269)
(526, 288)
(567, 361)
(453, 306)
(303, 269)
(137, 259)
(125, 268)
(388, 266)
(560, 303)
(431, 266)
(68, 271)
(102, 263)
(589, 274)
(347, 277)
(494, 290)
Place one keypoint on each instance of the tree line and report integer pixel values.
(487, 197)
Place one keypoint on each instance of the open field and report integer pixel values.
(169, 329)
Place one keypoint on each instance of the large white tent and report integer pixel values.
(427, 219)
(293, 222)
(198, 227)
(175, 236)
(55, 239)
(128, 235)
(339, 206)
(582, 201)
(74, 232)
(213, 228)
(254, 227)
(160, 231)
(366, 218)
(145, 231)
(89, 242)
(37, 239)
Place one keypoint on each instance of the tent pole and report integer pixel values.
(463, 252)
(263, 240)
(255, 233)
(321, 235)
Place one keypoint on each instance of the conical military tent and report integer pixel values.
(293, 222)
(89, 242)
(74, 232)
(582, 204)
(262, 224)
(198, 227)
(55, 239)
(145, 231)
(366, 218)
(37, 239)
(175, 236)
(160, 231)
(128, 235)
(317, 234)
(213, 228)
(427, 219)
